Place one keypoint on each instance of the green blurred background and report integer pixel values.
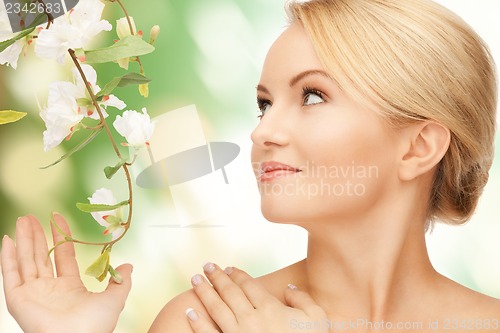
(209, 53)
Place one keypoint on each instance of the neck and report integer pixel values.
(367, 268)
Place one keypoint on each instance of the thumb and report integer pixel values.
(120, 291)
(303, 301)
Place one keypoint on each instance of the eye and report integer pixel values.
(312, 96)
(264, 105)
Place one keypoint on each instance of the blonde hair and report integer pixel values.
(415, 60)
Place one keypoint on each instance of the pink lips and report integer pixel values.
(273, 170)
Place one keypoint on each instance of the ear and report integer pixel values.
(426, 143)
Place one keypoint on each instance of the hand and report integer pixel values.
(41, 302)
(238, 303)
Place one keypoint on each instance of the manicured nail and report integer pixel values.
(209, 267)
(228, 270)
(21, 218)
(292, 286)
(191, 314)
(197, 280)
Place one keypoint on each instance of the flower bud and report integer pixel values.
(155, 31)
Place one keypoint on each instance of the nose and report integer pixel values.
(273, 129)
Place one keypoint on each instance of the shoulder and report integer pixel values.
(471, 304)
(172, 318)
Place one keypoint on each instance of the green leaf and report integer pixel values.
(91, 208)
(122, 81)
(110, 171)
(5, 44)
(75, 149)
(99, 268)
(129, 46)
(9, 116)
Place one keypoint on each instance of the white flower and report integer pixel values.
(11, 54)
(74, 30)
(108, 100)
(63, 113)
(136, 127)
(112, 219)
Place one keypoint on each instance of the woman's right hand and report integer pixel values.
(41, 302)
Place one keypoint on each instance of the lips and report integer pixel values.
(272, 170)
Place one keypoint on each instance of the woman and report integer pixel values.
(378, 118)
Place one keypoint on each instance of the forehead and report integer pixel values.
(291, 53)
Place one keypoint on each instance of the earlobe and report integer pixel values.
(428, 143)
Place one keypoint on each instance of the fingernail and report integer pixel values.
(228, 270)
(21, 218)
(191, 314)
(197, 280)
(292, 287)
(209, 267)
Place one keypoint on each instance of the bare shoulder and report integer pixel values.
(172, 318)
(277, 281)
(483, 305)
(471, 304)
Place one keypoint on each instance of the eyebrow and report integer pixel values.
(304, 74)
(294, 80)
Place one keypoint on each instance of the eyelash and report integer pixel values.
(308, 90)
(262, 102)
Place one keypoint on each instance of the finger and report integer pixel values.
(256, 293)
(42, 259)
(25, 249)
(229, 291)
(216, 308)
(64, 255)
(199, 323)
(10, 270)
(303, 301)
(120, 291)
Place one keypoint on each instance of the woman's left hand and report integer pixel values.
(238, 303)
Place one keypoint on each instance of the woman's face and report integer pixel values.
(316, 154)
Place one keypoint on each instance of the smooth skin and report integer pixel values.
(43, 302)
(246, 306)
(366, 256)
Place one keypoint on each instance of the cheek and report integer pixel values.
(346, 140)
(348, 168)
